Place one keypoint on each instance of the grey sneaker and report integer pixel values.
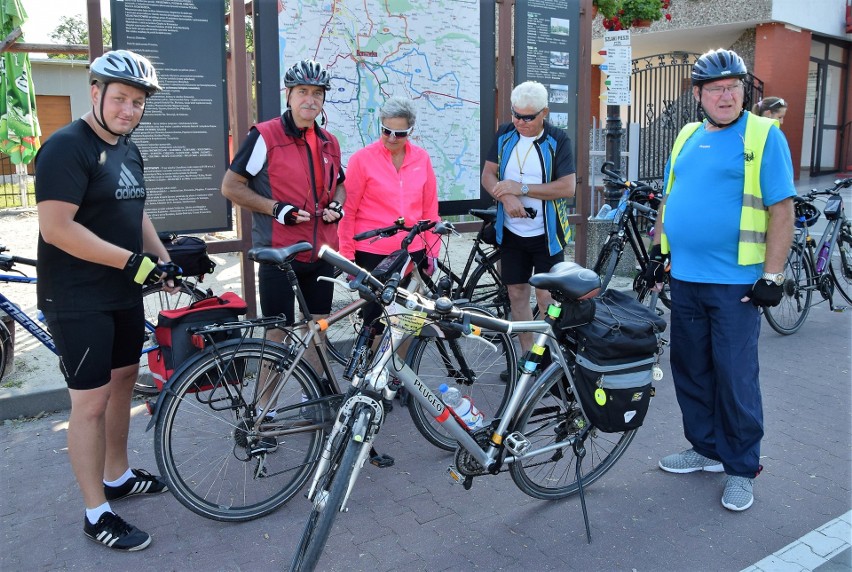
(738, 493)
(689, 462)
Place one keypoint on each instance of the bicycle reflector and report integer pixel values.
(806, 215)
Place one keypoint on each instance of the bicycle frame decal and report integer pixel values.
(28, 323)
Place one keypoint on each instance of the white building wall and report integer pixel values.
(63, 77)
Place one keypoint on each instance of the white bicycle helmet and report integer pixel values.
(125, 67)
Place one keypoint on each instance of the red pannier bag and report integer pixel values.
(174, 336)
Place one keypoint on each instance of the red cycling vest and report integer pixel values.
(292, 181)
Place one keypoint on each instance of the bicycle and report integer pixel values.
(221, 410)
(633, 213)
(479, 282)
(823, 266)
(153, 297)
(541, 423)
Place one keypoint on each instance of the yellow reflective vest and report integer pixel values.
(754, 217)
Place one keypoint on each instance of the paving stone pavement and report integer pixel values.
(409, 516)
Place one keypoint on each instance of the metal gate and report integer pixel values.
(663, 103)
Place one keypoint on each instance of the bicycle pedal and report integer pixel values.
(382, 461)
(455, 477)
(516, 443)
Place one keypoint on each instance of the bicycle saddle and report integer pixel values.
(570, 279)
(488, 215)
(270, 255)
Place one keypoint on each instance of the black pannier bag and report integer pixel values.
(616, 353)
(190, 253)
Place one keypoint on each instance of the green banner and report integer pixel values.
(19, 130)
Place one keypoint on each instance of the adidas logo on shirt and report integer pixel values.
(128, 186)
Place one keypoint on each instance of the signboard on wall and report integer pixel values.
(428, 51)
(547, 50)
(183, 136)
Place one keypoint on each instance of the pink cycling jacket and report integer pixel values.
(377, 194)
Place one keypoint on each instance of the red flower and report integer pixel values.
(668, 16)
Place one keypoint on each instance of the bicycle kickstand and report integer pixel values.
(580, 452)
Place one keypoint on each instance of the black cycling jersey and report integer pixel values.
(106, 181)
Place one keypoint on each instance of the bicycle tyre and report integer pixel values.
(5, 349)
(547, 417)
(341, 336)
(788, 316)
(485, 288)
(428, 357)
(321, 519)
(202, 441)
(155, 299)
(841, 267)
(607, 261)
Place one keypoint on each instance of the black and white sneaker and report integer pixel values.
(113, 532)
(142, 483)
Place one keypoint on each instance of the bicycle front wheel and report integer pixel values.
(485, 288)
(841, 265)
(607, 261)
(342, 334)
(553, 416)
(788, 316)
(5, 348)
(207, 441)
(155, 299)
(487, 377)
(328, 501)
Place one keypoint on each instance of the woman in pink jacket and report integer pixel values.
(386, 180)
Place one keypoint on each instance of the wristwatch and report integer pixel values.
(777, 278)
(525, 190)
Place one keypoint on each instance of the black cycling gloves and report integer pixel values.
(285, 214)
(142, 269)
(335, 207)
(655, 272)
(765, 293)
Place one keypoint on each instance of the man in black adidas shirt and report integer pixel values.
(96, 250)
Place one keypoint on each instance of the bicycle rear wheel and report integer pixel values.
(473, 367)
(841, 266)
(155, 299)
(341, 336)
(328, 501)
(552, 416)
(206, 443)
(788, 316)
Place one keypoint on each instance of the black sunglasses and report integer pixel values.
(526, 118)
(398, 134)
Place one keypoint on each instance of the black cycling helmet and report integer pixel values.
(125, 67)
(308, 72)
(718, 64)
(806, 214)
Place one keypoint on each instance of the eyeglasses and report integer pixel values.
(718, 90)
(399, 134)
(526, 118)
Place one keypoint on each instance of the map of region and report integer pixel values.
(424, 50)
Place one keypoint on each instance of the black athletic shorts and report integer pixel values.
(276, 294)
(520, 256)
(92, 344)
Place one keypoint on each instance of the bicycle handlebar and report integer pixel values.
(442, 309)
(639, 192)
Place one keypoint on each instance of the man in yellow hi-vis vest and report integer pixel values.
(727, 226)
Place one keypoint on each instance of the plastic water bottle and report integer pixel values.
(822, 258)
(464, 407)
(604, 212)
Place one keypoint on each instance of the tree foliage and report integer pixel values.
(75, 30)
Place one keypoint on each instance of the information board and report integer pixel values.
(183, 135)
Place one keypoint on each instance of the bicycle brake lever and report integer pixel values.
(339, 281)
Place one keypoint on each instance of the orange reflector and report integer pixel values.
(197, 341)
(497, 439)
(323, 325)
